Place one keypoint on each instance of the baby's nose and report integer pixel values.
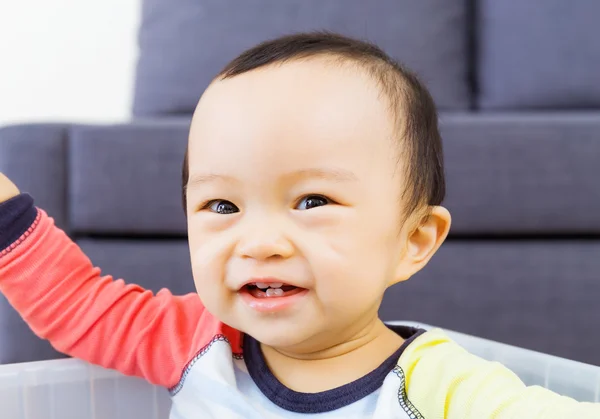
(267, 242)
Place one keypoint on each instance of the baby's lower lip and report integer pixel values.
(258, 300)
(286, 289)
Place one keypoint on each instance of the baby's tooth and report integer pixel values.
(262, 285)
(276, 285)
(274, 292)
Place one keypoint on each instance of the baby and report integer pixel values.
(312, 182)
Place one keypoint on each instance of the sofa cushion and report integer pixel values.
(34, 157)
(538, 54)
(184, 44)
(126, 179)
(152, 264)
(518, 174)
(541, 295)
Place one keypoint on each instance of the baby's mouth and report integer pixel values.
(275, 289)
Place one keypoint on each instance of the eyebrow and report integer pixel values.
(332, 174)
(203, 178)
(335, 175)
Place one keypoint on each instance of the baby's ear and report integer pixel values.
(422, 243)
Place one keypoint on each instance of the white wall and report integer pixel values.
(67, 60)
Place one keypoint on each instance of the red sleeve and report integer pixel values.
(63, 298)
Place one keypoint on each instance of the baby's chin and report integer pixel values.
(283, 336)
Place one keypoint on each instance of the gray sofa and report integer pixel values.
(518, 87)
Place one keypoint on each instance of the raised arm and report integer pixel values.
(65, 299)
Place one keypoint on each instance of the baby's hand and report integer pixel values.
(8, 189)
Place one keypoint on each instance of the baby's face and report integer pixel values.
(294, 184)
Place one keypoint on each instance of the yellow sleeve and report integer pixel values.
(444, 381)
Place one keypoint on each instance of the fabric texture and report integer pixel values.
(184, 43)
(126, 178)
(523, 174)
(20, 215)
(34, 157)
(17, 342)
(469, 387)
(174, 342)
(538, 54)
(153, 264)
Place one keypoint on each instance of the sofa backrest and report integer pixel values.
(184, 44)
(537, 54)
(489, 54)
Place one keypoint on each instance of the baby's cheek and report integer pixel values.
(348, 285)
(209, 260)
(208, 274)
(209, 256)
(209, 287)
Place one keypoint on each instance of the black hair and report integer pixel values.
(410, 103)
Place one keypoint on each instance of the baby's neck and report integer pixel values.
(337, 365)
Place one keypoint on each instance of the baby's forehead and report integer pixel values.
(303, 97)
(290, 118)
(294, 83)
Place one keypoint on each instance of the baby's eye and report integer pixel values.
(312, 201)
(221, 206)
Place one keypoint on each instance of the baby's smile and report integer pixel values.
(270, 295)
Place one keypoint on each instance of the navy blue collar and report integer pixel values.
(324, 401)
